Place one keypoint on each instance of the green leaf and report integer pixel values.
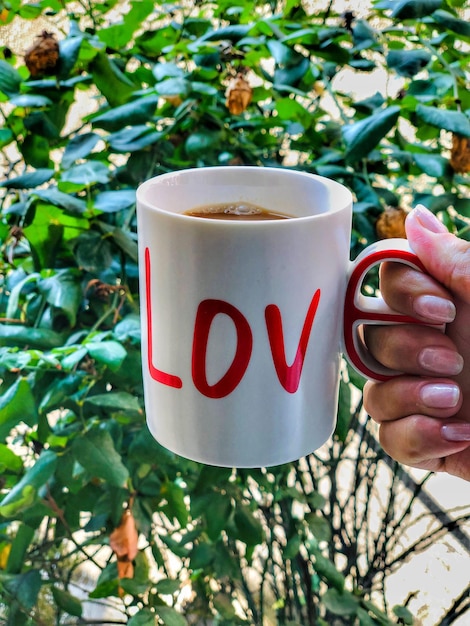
(328, 571)
(17, 405)
(362, 137)
(432, 164)
(9, 462)
(10, 79)
(133, 138)
(30, 100)
(405, 615)
(6, 137)
(282, 54)
(19, 547)
(217, 513)
(249, 528)
(87, 174)
(93, 251)
(365, 619)
(67, 602)
(234, 32)
(340, 603)
(115, 36)
(69, 50)
(318, 526)
(344, 415)
(113, 84)
(170, 617)
(35, 150)
(292, 547)
(79, 147)
(408, 62)
(173, 87)
(145, 617)
(110, 353)
(168, 586)
(200, 142)
(128, 245)
(136, 112)
(29, 180)
(128, 329)
(63, 291)
(18, 335)
(25, 588)
(64, 200)
(49, 228)
(161, 71)
(414, 9)
(461, 27)
(290, 109)
(115, 401)
(453, 121)
(95, 452)
(24, 493)
(114, 201)
(14, 299)
(176, 505)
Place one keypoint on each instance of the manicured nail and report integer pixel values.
(456, 432)
(435, 308)
(440, 395)
(428, 220)
(441, 361)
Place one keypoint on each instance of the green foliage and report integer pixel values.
(289, 544)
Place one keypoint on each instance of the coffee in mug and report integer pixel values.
(236, 211)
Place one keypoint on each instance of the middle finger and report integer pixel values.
(418, 350)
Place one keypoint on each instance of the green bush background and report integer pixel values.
(293, 545)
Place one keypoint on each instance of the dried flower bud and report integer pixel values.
(123, 542)
(238, 94)
(43, 57)
(460, 154)
(391, 223)
(173, 100)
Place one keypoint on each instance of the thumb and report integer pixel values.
(445, 256)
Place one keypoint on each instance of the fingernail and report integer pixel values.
(435, 308)
(428, 220)
(456, 432)
(441, 361)
(440, 395)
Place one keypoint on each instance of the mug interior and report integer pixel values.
(297, 194)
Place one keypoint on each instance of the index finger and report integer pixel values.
(414, 293)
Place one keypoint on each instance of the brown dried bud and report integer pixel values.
(174, 100)
(460, 154)
(123, 542)
(391, 223)
(43, 57)
(238, 94)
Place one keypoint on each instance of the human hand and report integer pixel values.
(424, 414)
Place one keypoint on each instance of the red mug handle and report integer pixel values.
(360, 309)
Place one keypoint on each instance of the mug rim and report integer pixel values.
(345, 195)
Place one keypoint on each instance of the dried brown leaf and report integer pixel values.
(123, 539)
(460, 154)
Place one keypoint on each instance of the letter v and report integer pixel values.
(289, 375)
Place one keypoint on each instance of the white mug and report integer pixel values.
(242, 321)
